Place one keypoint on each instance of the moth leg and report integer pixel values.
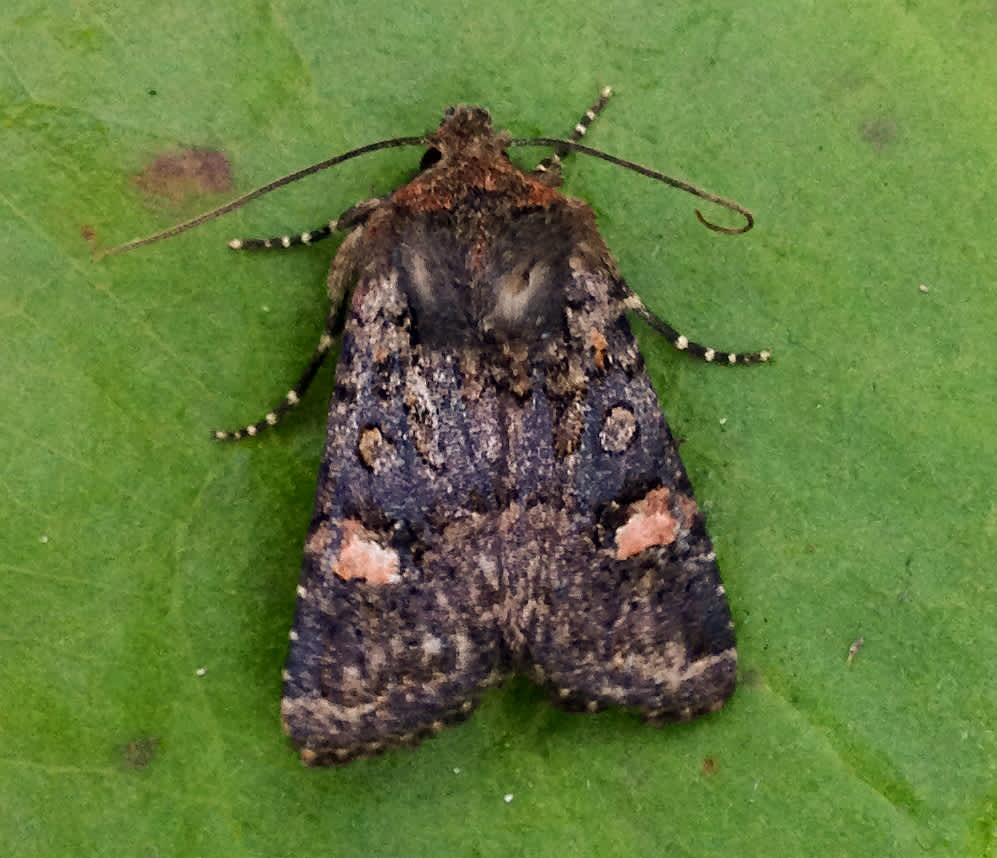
(351, 218)
(341, 277)
(294, 395)
(284, 241)
(549, 169)
(684, 344)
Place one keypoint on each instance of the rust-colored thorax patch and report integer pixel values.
(472, 159)
(444, 188)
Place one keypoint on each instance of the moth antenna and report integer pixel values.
(652, 174)
(263, 189)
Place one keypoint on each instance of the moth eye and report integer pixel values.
(432, 156)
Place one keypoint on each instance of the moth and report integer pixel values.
(499, 491)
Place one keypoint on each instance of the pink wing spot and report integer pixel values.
(651, 523)
(361, 557)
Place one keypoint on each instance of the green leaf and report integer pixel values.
(848, 485)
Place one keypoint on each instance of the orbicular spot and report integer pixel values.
(376, 451)
(362, 557)
(619, 429)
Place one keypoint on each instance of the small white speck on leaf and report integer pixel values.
(853, 650)
(201, 671)
(507, 798)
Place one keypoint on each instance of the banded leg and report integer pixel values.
(283, 241)
(684, 344)
(333, 327)
(351, 218)
(550, 168)
(342, 276)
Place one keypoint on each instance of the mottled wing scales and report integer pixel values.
(499, 490)
(625, 606)
(379, 663)
(393, 638)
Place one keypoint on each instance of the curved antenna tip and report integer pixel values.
(567, 145)
(728, 230)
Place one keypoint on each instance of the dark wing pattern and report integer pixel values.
(499, 490)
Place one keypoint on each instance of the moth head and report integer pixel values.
(465, 133)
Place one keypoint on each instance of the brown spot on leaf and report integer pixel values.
(750, 678)
(140, 752)
(709, 765)
(182, 174)
(878, 132)
(89, 235)
(651, 523)
(361, 557)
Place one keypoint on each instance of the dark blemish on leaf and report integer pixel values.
(879, 132)
(140, 752)
(182, 174)
(710, 765)
(751, 678)
(89, 235)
